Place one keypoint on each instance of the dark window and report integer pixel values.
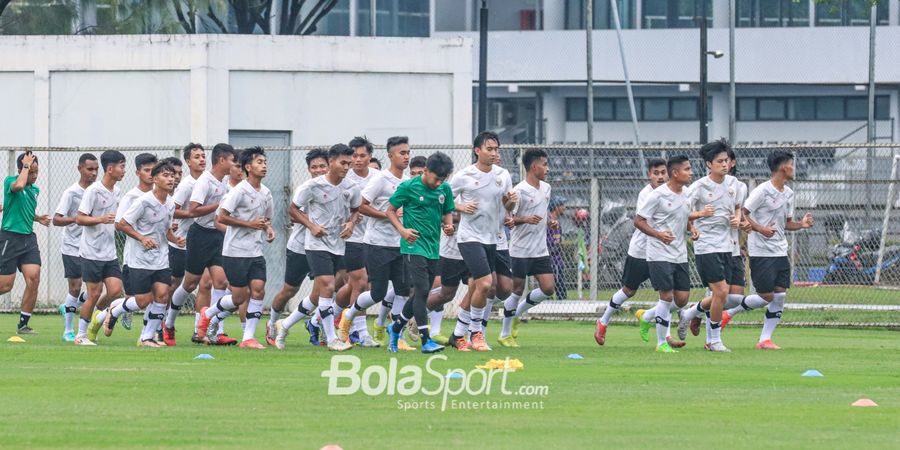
(603, 14)
(772, 109)
(603, 109)
(858, 108)
(843, 13)
(686, 109)
(647, 108)
(812, 108)
(830, 108)
(803, 108)
(623, 109)
(772, 13)
(576, 110)
(673, 13)
(882, 107)
(746, 109)
(656, 109)
(406, 18)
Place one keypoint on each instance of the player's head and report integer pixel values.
(176, 168)
(362, 152)
(163, 175)
(374, 163)
(113, 162)
(236, 174)
(437, 168)
(195, 157)
(317, 162)
(417, 166)
(254, 162)
(486, 147)
(715, 155)
(88, 166)
(143, 167)
(537, 163)
(340, 157)
(558, 204)
(32, 170)
(656, 172)
(223, 157)
(781, 161)
(679, 168)
(398, 151)
(732, 163)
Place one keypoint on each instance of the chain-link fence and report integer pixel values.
(845, 187)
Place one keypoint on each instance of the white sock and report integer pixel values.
(715, 331)
(358, 325)
(102, 316)
(129, 305)
(434, 319)
(82, 328)
(156, 313)
(69, 318)
(733, 300)
(363, 302)
(220, 322)
(273, 317)
(254, 312)
(708, 332)
(618, 299)
(180, 296)
(218, 294)
(399, 303)
(649, 315)
(536, 296)
(511, 303)
(386, 306)
(326, 308)
(226, 303)
(663, 315)
(462, 323)
(475, 315)
(196, 320)
(299, 314)
(693, 312)
(750, 302)
(773, 316)
(673, 309)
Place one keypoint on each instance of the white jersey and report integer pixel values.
(715, 231)
(152, 219)
(98, 242)
(666, 210)
(207, 191)
(637, 247)
(329, 207)
(359, 230)
(182, 199)
(297, 240)
(741, 197)
(486, 189)
(502, 240)
(68, 207)
(769, 207)
(126, 201)
(377, 192)
(527, 240)
(244, 202)
(449, 248)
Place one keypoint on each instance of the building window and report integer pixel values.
(811, 108)
(850, 13)
(772, 109)
(772, 13)
(673, 13)
(603, 14)
(404, 18)
(650, 109)
(336, 22)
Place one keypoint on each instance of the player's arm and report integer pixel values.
(804, 223)
(125, 227)
(171, 237)
(195, 209)
(366, 209)
(60, 220)
(22, 179)
(88, 220)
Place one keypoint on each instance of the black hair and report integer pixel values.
(376, 161)
(439, 164)
(339, 150)
(248, 155)
(173, 161)
(19, 163)
(145, 159)
(533, 155)
(111, 157)
(485, 136)
(675, 161)
(316, 154)
(777, 158)
(162, 166)
(709, 151)
(361, 141)
(221, 151)
(655, 162)
(186, 152)
(733, 171)
(418, 161)
(85, 157)
(394, 141)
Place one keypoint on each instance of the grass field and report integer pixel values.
(622, 395)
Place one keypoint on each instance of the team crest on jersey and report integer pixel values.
(731, 192)
(441, 199)
(421, 199)
(497, 182)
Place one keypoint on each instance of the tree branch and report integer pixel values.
(3, 5)
(308, 26)
(188, 26)
(212, 16)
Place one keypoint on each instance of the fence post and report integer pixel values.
(887, 217)
(594, 235)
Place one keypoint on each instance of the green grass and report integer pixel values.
(834, 295)
(622, 395)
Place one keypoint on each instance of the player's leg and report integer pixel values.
(295, 270)
(157, 307)
(72, 273)
(634, 273)
(92, 276)
(463, 318)
(775, 308)
(763, 272)
(31, 272)
(254, 309)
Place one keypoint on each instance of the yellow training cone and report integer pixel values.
(16, 339)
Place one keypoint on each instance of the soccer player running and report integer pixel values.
(148, 225)
(770, 211)
(635, 271)
(64, 216)
(503, 276)
(100, 264)
(17, 239)
(427, 203)
(482, 187)
(664, 218)
(528, 243)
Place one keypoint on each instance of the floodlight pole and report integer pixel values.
(482, 67)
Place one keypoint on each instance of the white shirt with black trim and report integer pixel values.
(297, 240)
(527, 240)
(98, 242)
(244, 202)
(486, 189)
(152, 219)
(715, 231)
(378, 192)
(68, 207)
(359, 230)
(769, 207)
(182, 199)
(666, 210)
(329, 207)
(207, 191)
(637, 247)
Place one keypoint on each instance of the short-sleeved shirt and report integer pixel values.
(152, 219)
(297, 240)
(68, 207)
(503, 231)
(359, 230)
(98, 242)
(126, 201)
(637, 247)
(423, 211)
(715, 230)
(182, 199)
(741, 197)
(667, 210)
(449, 248)
(378, 192)
(244, 202)
(19, 207)
(769, 206)
(527, 240)
(471, 185)
(207, 191)
(328, 206)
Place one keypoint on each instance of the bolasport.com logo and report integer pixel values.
(431, 387)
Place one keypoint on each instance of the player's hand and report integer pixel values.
(318, 231)
(174, 227)
(708, 211)
(449, 229)
(735, 221)
(807, 221)
(259, 223)
(270, 234)
(400, 213)
(347, 230)
(553, 224)
(509, 222)
(768, 231)
(148, 243)
(28, 159)
(512, 196)
(359, 218)
(108, 218)
(467, 208)
(533, 220)
(410, 235)
(695, 233)
(746, 226)
(43, 219)
(666, 237)
(180, 241)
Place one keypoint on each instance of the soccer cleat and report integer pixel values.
(412, 331)
(767, 345)
(270, 334)
(94, 327)
(694, 326)
(718, 347)
(644, 325)
(430, 346)
(674, 343)
(128, 321)
(682, 325)
(478, 343)
(354, 337)
(508, 341)
(380, 335)
(62, 309)
(706, 346)
(280, 334)
(515, 327)
(197, 339)
(440, 339)
(26, 330)
(252, 343)
(344, 326)
(169, 336)
(313, 332)
(68, 336)
(726, 318)
(394, 342)
(160, 338)
(403, 345)
(600, 333)
(203, 323)
(665, 348)
(109, 323)
(84, 342)
(149, 343)
(460, 344)
(368, 342)
(337, 345)
(223, 339)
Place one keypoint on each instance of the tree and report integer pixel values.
(295, 17)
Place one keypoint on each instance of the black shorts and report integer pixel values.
(177, 258)
(714, 267)
(503, 266)
(72, 266)
(738, 272)
(296, 268)
(421, 272)
(481, 259)
(17, 250)
(453, 272)
(768, 273)
(324, 263)
(386, 264)
(635, 272)
(204, 249)
(666, 276)
(126, 281)
(524, 267)
(355, 256)
(97, 271)
(141, 281)
(240, 271)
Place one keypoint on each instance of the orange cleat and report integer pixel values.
(252, 343)
(674, 343)
(270, 335)
(600, 333)
(169, 336)
(203, 323)
(460, 344)
(478, 343)
(726, 318)
(767, 345)
(223, 339)
(695, 326)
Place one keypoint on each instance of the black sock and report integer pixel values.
(23, 319)
(424, 335)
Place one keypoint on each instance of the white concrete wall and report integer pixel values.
(17, 94)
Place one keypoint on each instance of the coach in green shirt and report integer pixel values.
(18, 244)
